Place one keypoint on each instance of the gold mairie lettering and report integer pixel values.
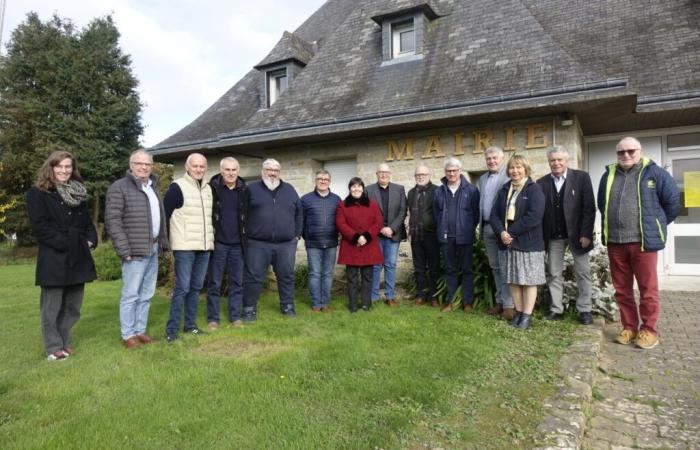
(509, 147)
(482, 140)
(459, 144)
(536, 137)
(399, 153)
(433, 148)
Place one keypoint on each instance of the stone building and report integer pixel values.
(406, 82)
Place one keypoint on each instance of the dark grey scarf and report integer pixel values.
(73, 192)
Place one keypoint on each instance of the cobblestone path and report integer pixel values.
(650, 398)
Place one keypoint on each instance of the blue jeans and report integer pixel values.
(321, 262)
(259, 255)
(390, 251)
(458, 258)
(139, 284)
(491, 243)
(190, 269)
(226, 258)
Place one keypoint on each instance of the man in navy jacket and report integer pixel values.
(273, 228)
(456, 209)
(321, 239)
(229, 194)
(637, 200)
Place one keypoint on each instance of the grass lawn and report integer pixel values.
(388, 379)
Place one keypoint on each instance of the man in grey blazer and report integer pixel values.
(391, 198)
(489, 184)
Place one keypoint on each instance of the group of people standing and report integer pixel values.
(229, 226)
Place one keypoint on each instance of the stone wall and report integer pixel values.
(429, 147)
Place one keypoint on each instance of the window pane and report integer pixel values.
(687, 249)
(281, 82)
(408, 44)
(683, 140)
(688, 213)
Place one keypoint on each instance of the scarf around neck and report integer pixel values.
(73, 192)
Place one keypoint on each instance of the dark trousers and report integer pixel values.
(359, 285)
(259, 256)
(226, 258)
(458, 258)
(60, 310)
(426, 264)
(190, 270)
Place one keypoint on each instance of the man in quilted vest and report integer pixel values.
(135, 222)
(188, 208)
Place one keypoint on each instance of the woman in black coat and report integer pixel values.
(58, 215)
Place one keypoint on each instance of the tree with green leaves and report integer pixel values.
(62, 88)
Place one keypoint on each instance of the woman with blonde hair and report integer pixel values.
(58, 215)
(516, 217)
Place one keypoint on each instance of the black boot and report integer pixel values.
(516, 319)
(525, 321)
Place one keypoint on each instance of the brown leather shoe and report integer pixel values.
(132, 342)
(327, 309)
(391, 302)
(238, 323)
(508, 314)
(316, 309)
(420, 302)
(495, 310)
(145, 338)
(434, 303)
(447, 308)
(467, 309)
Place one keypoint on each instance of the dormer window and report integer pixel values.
(403, 39)
(404, 33)
(277, 83)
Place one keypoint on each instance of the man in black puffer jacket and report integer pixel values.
(135, 221)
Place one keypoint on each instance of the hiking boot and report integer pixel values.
(626, 337)
(508, 314)
(646, 340)
(495, 310)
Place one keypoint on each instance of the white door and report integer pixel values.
(341, 172)
(684, 234)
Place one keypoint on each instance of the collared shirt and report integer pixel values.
(559, 182)
(155, 208)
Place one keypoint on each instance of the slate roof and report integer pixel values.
(290, 47)
(480, 57)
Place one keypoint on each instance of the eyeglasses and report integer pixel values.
(628, 152)
(323, 180)
(451, 170)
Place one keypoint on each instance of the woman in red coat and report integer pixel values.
(359, 220)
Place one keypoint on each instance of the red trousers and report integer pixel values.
(627, 263)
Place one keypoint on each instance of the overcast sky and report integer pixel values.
(185, 53)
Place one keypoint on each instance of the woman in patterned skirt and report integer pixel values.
(516, 217)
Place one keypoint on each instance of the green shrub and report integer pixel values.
(301, 276)
(109, 266)
(484, 286)
(107, 263)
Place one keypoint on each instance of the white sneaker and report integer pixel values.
(57, 356)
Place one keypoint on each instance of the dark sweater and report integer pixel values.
(273, 216)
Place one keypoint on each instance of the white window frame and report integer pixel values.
(397, 29)
(274, 85)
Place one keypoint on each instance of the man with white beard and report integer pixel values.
(273, 227)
